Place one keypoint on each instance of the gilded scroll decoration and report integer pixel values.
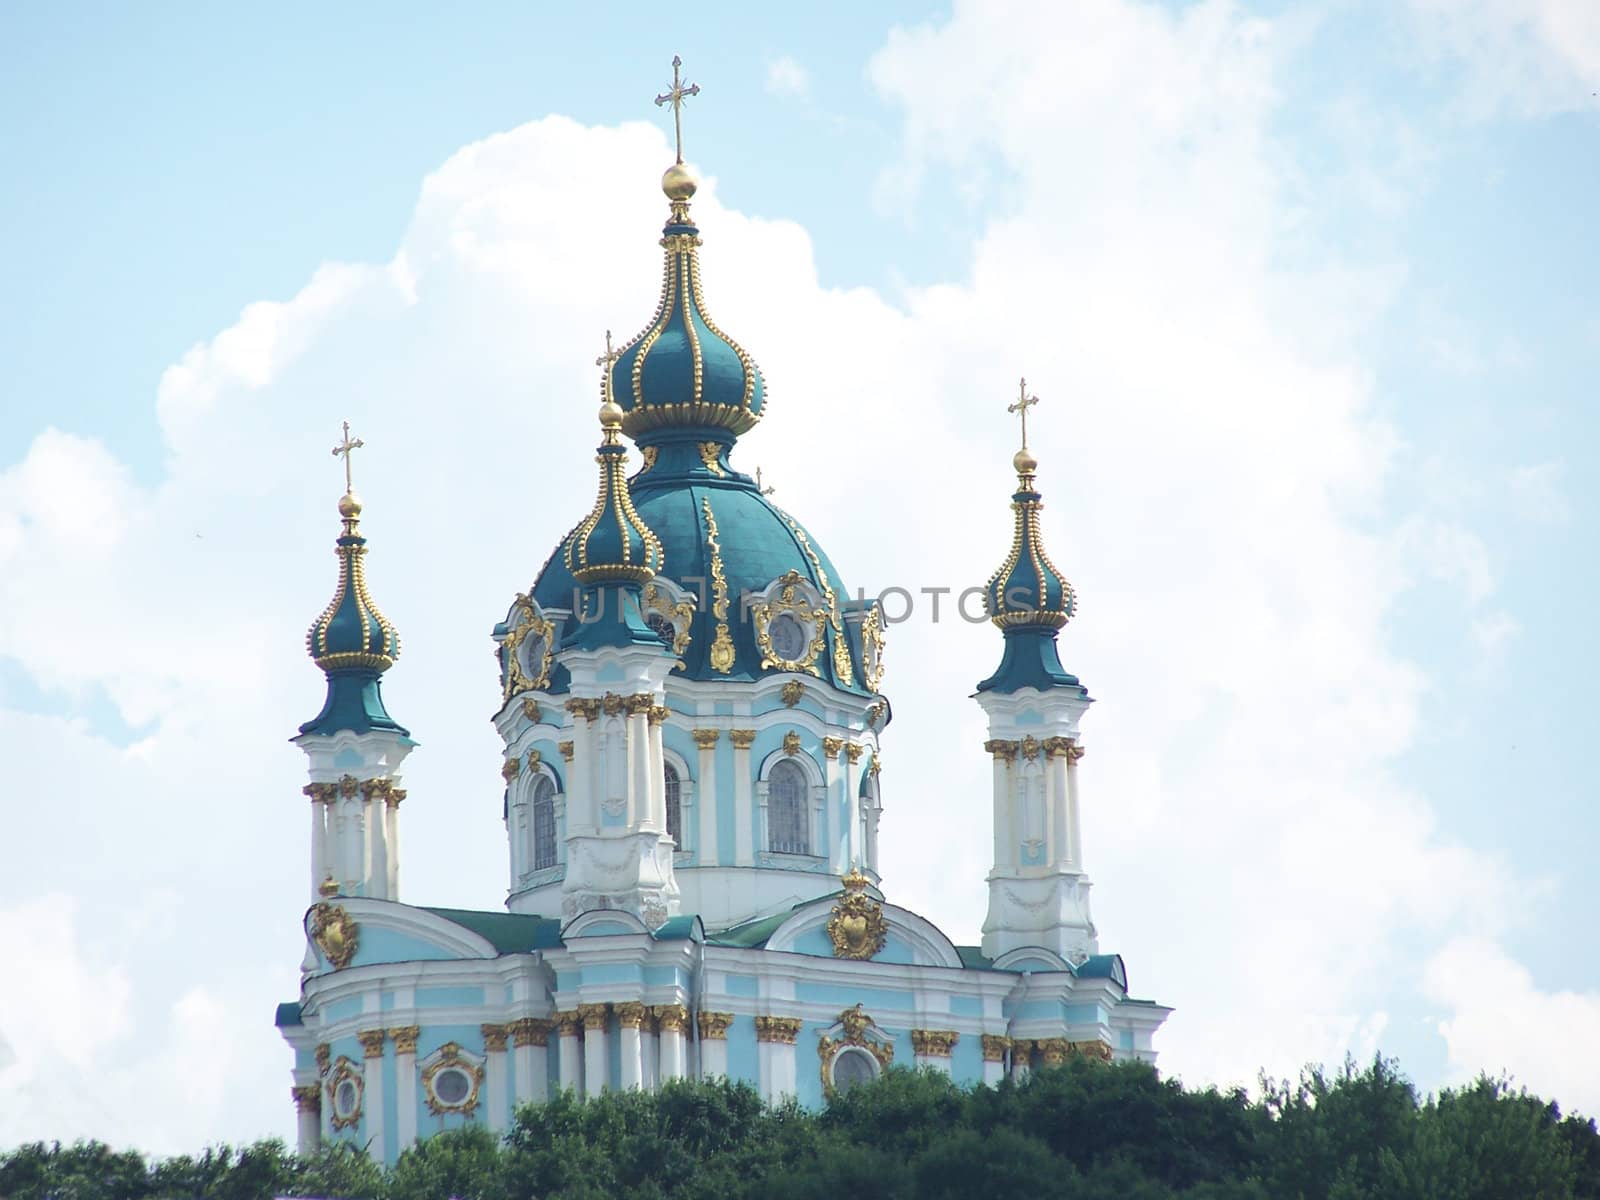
(335, 934)
(792, 602)
(857, 927)
(678, 615)
(529, 648)
(721, 655)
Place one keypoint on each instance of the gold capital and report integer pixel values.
(714, 1025)
(782, 1030)
(371, 1042)
(671, 1017)
(832, 745)
(630, 1014)
(530, 1031)
(567, 1023)
(705, 738)
(405, 1038)
(742, 739)
(933, 1043)
(994, 1047)
(494, 1036)
(594, 1016)
(566, 750)
(307, 1097)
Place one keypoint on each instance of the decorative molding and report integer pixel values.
(722, 652)
(335, 933)
(831, 746)
(530, 1031)
(812, 619)
(994, 1047)
(532, 710)
(872, 646)
(875, 713)
(706, 739)
(594, 1016)
(526, 621)
(630, 1014)
(567, 1023)
(853, 752)
(450, 1057)
(510, 769)
(1094, 1051)
(404, 1038)
(535, 757)
(792, 693)
(841, 646)
(873, 765)
(933, 1043)
(782, 1030)
(566, 749)
(382, 788)
(324, 1057)
(708, 455)
(659, 714)
(857, 927)
(586, 707)
(349, 785)
(494, 1037)
(613, 705)
(714, 1025)
(307, 1097)
(1053, 1051)
(321, 793)
(371, 1042)
(672, 1018)
(639, 704)
(679, 614)
(1001, 749)
(856, 1029)
(791, 743)
(742, 739)
(345, 1072)
(1030, 747)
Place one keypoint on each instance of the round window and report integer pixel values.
(452, 1086)
(853, 1066)
(532, 655)
(345, 1098)
(789, 637)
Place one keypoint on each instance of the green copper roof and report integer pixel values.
(612, 544)
(287, 1015)
(508, 933)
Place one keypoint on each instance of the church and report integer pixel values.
(692, 711)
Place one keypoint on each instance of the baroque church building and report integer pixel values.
(692, 713)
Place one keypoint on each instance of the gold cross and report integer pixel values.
(675, 98)
(345, 448)
(765, 491)
(1023, 404)
(605, 360)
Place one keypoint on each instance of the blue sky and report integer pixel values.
(1398, 197)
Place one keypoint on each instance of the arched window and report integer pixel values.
(788, 829)
(674, 807)
(544, 823)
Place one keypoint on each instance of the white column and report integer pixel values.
(994, 1059)
(1021, 1049)
(650, 1050)
(670, 1019)
(855, 851)
(391, 816)
(405, 1084)
(319, 840)
(714, 1044)
(838, 855)
(656, 775)
(775, 1037)
(640, 810)
(1060, 810)
(372, 1090)
(1005, 840)
(530, 1039)
(596, 1069)
(377, 828)
(932, 1048)
(1075, 850)
(494, 1075)
(706, 797)
(630, 1017)
(569, 1063)
(744, 841)
(308, 1116)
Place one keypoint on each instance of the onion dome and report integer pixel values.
(352, 641)
(612, 544)
(1028, 597)
(682, 379)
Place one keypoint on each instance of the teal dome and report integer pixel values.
(722, 540)
(612, 544)
(682, 375)
(1029, 598)
(352, 641)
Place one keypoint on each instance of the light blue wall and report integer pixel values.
(388, 945)
(741, 985)
(872, 999)
(743, 1060)
(450, 997)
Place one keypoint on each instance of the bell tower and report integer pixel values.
(1038, 891)
(353, 745)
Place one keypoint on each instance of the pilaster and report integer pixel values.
(404, 1038)
(714, 1043)
(596, 1065)
(775, 1039)
(494, 1081)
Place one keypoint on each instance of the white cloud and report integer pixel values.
(1537, 494)
(786, 77)
(1211, 486)
(1498, 1019)
(1527, 57)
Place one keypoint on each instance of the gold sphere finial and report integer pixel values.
(1024, 461)
(679, 183)
(349, 506)
(610, 415)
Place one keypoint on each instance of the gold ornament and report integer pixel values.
(933, 1043)
(494, 1036)
(335, 934)
(742, 739)
(714, 1025)
(791, 743)
(789, 602)
(672, 1018)
(857, 927)
(526, 622)
(856, 1029)
(782, 1030)
(722, 653)
(994, 1047)
(405, 1038)
(529, 1031)
(449, 1058)
(792, 693)
(371, 1042)
(706, 739)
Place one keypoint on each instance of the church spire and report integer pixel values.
(352, 641)
(684, 385)
(1028, 598)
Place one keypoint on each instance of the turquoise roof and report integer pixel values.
(1029, 598)
(352, 641)
(681, 373)
(287, 1014)
(508, 933)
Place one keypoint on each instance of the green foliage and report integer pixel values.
(1085, 1131)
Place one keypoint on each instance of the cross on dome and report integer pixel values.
(676, 97)
(345, 448)
(1021, 407)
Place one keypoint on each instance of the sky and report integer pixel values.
(1305, 290)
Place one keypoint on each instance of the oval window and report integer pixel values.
(345, 1098)
(853, 1066)
(452, 1086)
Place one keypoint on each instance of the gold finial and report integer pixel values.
(676, 98)
(765, 491)
(328, 887)
(610, 410)
(344, 448)
(1024, 462)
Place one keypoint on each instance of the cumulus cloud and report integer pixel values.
(1210, 482)
(1496, 1018)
